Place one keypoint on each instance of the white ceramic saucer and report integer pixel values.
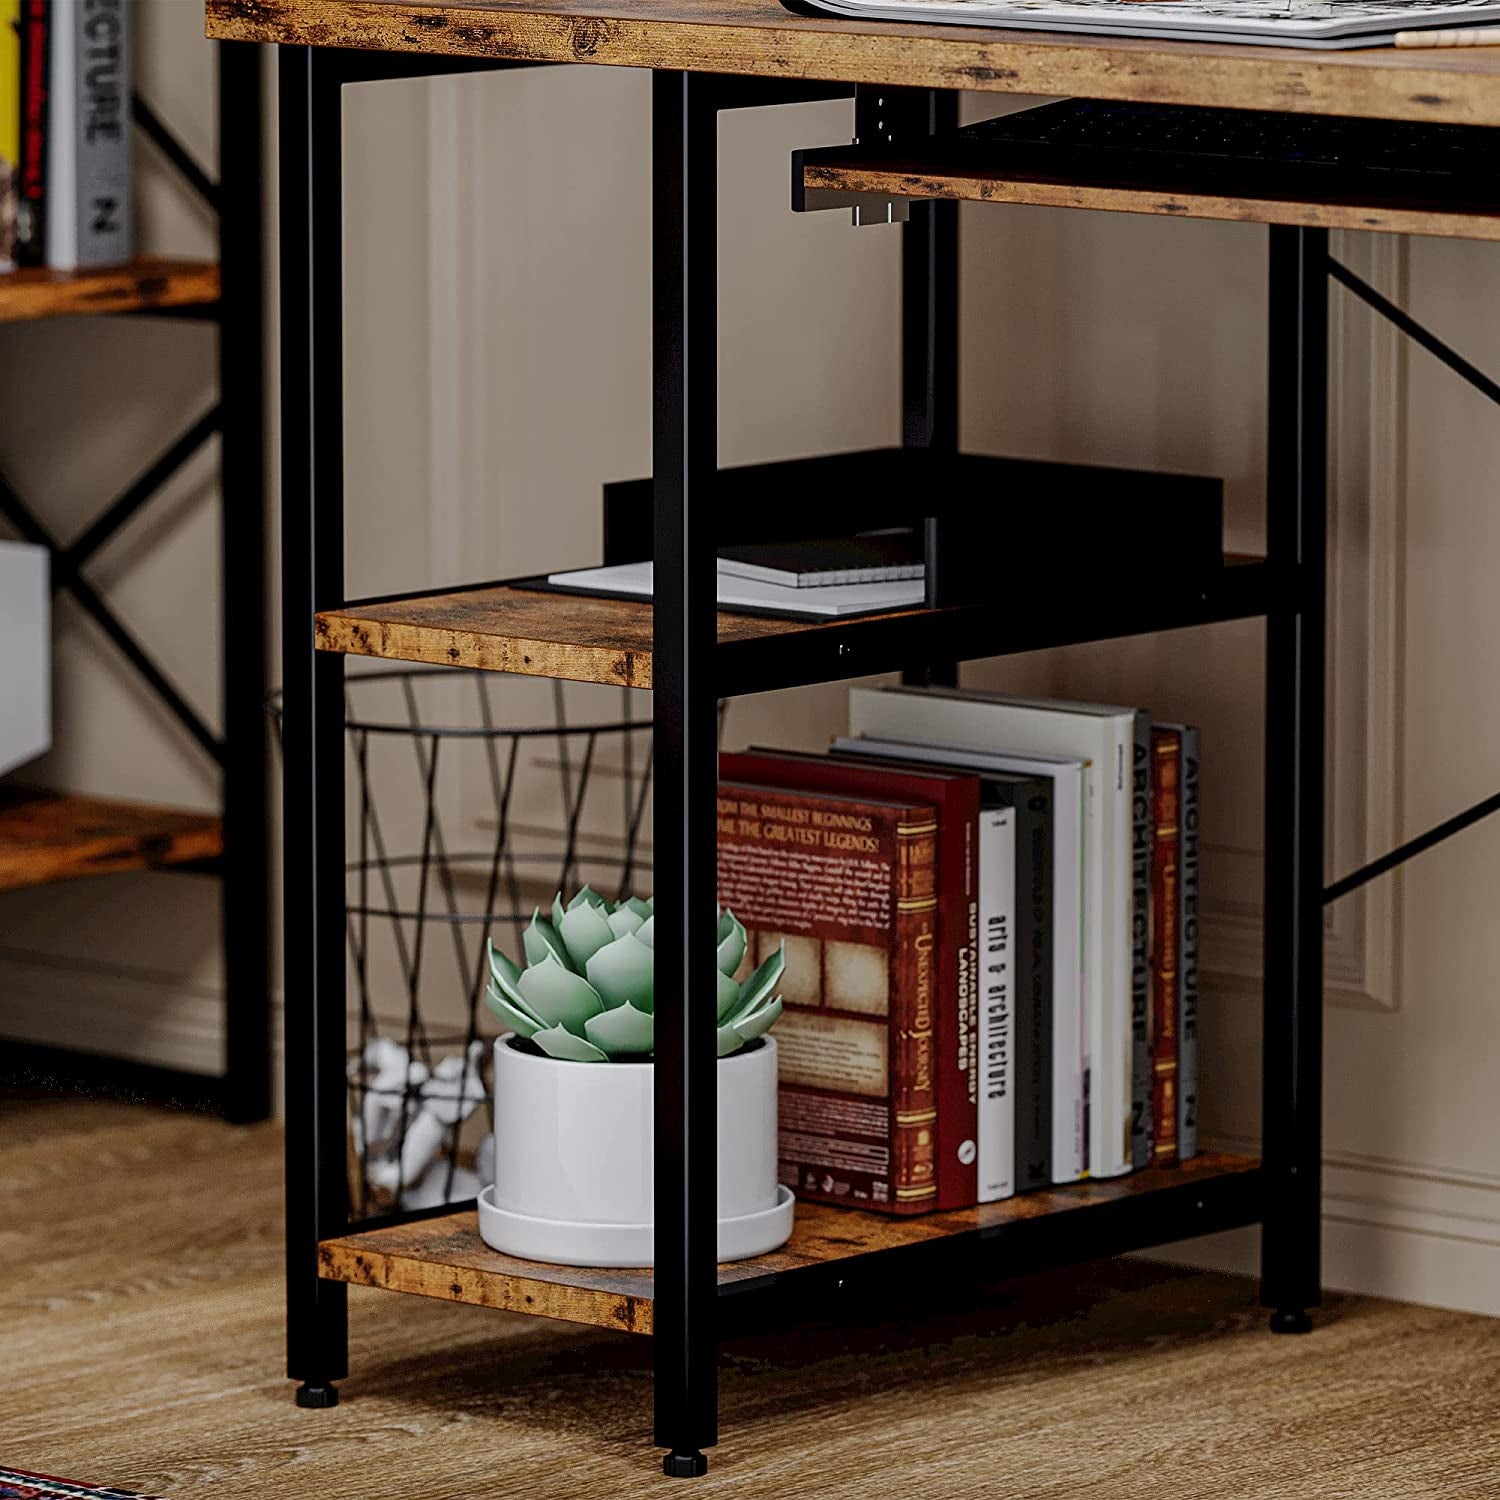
(622, 1246)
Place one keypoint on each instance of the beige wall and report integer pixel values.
(498, 301)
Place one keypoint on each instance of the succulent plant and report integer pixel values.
(585, 994)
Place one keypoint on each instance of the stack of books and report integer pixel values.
(833, 577)
(990, 912)
(65, 111)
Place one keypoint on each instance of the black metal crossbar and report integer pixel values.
(151, 126)
(1403, 852)
(1482, 383)
(1415, 331)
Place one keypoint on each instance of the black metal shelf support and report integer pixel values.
(1296, 527)
(243, 1092)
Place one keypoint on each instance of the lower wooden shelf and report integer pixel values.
(149, 282)
(47, 836)
(445, 1257)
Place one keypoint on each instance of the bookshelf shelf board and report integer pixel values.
(505, 628)
(46, 836)
(30, 294)
(951, 171)
(831, 1249)
(764, 38)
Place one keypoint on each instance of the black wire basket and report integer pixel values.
(472, 798)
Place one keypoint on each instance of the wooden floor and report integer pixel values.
(140, 1321)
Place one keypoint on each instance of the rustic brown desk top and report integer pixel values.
(761, 37)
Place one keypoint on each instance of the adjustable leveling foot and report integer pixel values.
(1290, 1320)
(317, 1396)
(684, 1464)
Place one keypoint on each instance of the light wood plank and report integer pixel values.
(45, 836)
(444, 1257)
(936, 179)
(763, 38)
(151, 282)
(527, 631)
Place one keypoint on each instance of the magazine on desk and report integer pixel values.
(1289, 23)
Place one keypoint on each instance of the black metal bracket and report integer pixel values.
(1473, 376)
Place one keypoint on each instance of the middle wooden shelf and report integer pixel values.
(508, 626)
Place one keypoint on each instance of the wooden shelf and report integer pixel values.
(30, 294)
(45, 836)
(953, 170)
(764, 38)
(444, 1257)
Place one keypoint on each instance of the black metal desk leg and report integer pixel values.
(685, 352)
(312, 578)
(1296, 518)
(245, 875)
(929, 320)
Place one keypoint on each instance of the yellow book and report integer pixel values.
(10, 126)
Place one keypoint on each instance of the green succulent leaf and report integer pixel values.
(559, 996)
(728, 1001)
(726, 924)
(623, 972)
(731, 944)
(557, 912)
(646, 932)
(729, 1041)
(622, 1032)
(560, 1043)
(518, 1021)
(588, 897)
(623, 920)
(642, 909)
(500, 966)
(758, 1023)
(542, 938)
(585, 931)
(763, 981)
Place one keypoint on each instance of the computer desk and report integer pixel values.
(707, 56)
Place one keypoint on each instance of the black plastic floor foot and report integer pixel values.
(684, 1465)
(1290, 1320)
(317, 1396)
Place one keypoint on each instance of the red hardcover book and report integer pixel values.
(1166, 850)
(849, 885)
(955, 795)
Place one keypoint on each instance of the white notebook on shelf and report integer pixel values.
(1287, 23)
(830, 600)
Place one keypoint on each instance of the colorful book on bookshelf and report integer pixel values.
(956, 1016)
(1166, 934)
(10, 128)
(1188, 917)
(850, 884)
(36, 19)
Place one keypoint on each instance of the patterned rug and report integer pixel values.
(16, 1484)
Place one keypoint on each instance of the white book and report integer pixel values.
(749, 593)
(997, 1015)
(1104, 738)
(61, 247)
(873, 714)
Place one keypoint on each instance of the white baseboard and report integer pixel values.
(143, 1017)
(1404, 1230)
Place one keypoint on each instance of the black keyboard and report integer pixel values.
(1095, 135)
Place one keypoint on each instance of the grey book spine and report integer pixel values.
(102, 58)
(1187, 928)
(1140, 944)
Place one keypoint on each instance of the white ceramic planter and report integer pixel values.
(574, 1152)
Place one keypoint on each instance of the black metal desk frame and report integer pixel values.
(1284, 1196)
